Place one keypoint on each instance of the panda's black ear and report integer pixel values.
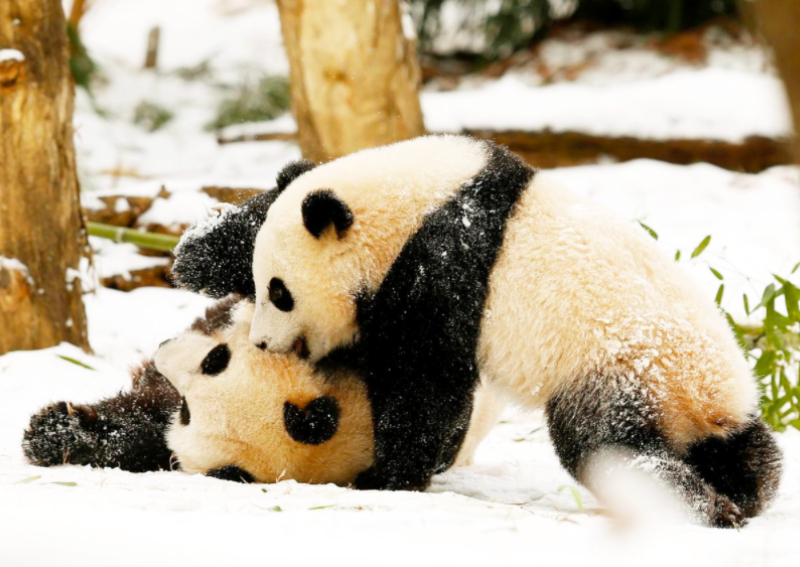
(292, 171)
(322, 208)
(216, 257)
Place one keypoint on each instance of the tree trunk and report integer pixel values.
(354, 75)
(778, 21)
(42, 238)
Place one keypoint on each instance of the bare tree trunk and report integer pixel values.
(42, 238)
(779, 21)
(355, 76)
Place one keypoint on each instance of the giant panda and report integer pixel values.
(211, 403)
(433, 261)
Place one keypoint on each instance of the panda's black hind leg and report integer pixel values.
(746, 466)
(606, 414)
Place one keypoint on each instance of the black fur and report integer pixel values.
(127, 431)
(219, 262)
(216, 361)
(420, 329)
(292, 171)
(232, 473)
(746, 467)
(723, 482)
(314, 424)
(322, 208)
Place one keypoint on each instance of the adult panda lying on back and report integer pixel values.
(432, 261)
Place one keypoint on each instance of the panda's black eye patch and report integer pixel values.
(280, 296)
(216, 360)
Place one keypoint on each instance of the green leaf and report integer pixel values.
(795, 268)
(779, 279)
(73, 361)
(677, 255)
(769, 294)
(63, 483)
(575, 495)
(746, 304)
(29, 479)
(702, 246)
(322, 507)
(720, 291)
(716, 273)
(649, 230)
(276, 509)
(264, 490)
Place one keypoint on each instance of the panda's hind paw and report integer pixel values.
(726, 514)
(57, 435)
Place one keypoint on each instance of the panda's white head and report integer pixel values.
(271, 416)
(335, 231)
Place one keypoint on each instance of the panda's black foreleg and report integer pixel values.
(745, 466)
(601, 415)
(126, 431)
(419, 426)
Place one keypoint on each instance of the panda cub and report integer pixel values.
(211, 403)
(435, 261)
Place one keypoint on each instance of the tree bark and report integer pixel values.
(778, 21)
(354, 75)
(42, 238)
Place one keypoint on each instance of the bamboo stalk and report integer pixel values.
(148, 240)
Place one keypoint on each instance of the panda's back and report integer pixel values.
(576, 293)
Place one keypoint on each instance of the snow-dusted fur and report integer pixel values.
(575, 309)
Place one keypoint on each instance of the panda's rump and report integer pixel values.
(576, 292)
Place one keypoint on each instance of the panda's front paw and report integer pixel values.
(373, 479)
(58, 435)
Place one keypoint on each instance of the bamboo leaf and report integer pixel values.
(74, 361)
(649, 230)
(576, 495)
(720, 291)
(702, 246)
(677, 255)
(746, 304)
(64, 483)
(322, 507)
(29, 479)
(716, 273)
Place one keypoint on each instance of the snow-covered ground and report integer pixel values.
(515, 506)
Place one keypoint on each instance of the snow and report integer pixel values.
(11, 55)
(12, 264)
(699, 104)
(120, 259)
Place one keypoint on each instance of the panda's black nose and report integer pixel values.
(262, 345)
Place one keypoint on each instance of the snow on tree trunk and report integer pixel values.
(778, 20)
(42, 238)
(354, 74)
